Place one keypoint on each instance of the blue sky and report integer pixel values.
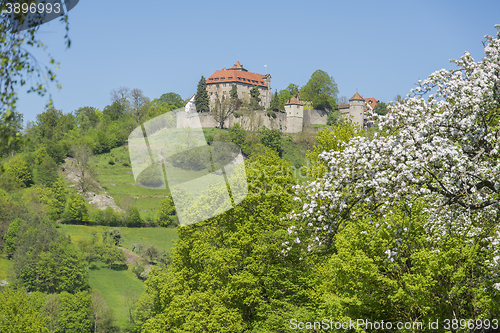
(381, 48)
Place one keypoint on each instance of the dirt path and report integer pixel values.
(134, 259)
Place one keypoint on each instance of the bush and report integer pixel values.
(152, 176)
(111, 161)
(76, 211)
(112, 218)
(271, 139)
(134, 218)
(138, 270)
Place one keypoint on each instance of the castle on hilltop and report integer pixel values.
(219, 84)
(295, 119)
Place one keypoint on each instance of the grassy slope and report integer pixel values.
(118, 181)
(5, 266)
(118, 287)
(162, 238)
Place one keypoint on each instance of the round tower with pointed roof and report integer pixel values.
(357, 109)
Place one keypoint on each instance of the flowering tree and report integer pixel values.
(442, 148)
(409, 219)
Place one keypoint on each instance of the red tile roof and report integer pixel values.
(356, 97)
(238, 66)
(240, 76)
(371, 102)
(343, 106)
(293, 100)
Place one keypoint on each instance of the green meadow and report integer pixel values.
(161, 238)
(118, 288)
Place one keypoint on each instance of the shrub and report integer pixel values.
(134, 218)
(152, 176)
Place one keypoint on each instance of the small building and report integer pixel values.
(294, 110)
(190, 107)
(357, 107)
(220, 83)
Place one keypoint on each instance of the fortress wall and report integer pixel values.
(257, 119)
(312, 117)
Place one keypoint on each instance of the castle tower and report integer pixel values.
(294, 115)
(357, 109)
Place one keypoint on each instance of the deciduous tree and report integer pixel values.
(321, 90)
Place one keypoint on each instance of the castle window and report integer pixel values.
(217, 79)
(224, 85)
(210, 79)
(230, 78)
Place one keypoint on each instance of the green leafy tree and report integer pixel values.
(111, 254)
(46, 172)
(19, 312)
(330, 139)
(171, 100)
(86, 117)
(334, 117)
(166, 212)
(18, 168)
(18, 67)
(51, 310)
(115, 110)
(321, 90)
(76, 211)
(227, 274)
(74, 312)
(113, 237)
(293, 89)
(101, 315)
(237, 134)
(10, 238)
(363, 279)
(201, 99)
(133, 218)
(271, 139)
(380, 108)
(112, 218)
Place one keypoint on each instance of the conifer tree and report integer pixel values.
(201, 99)
(275, 102)
(234, 93)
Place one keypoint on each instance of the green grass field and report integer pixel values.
(118, 288)
(5, 266)
(119, 181)
(162, 238)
